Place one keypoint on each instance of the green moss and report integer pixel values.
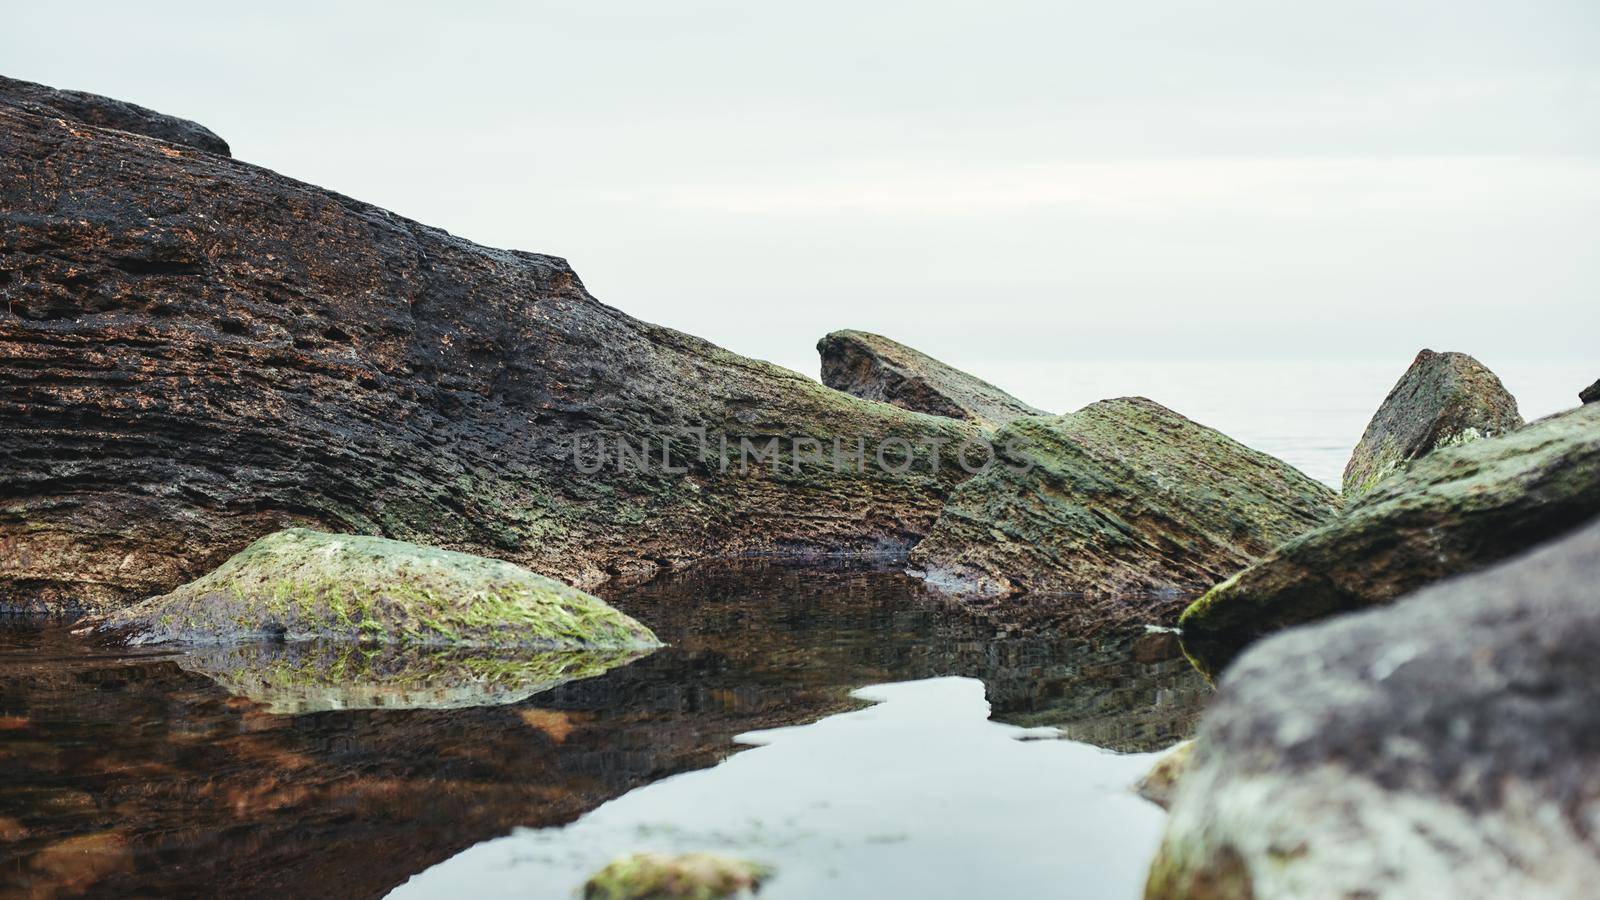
(304, 584)
(691, 876)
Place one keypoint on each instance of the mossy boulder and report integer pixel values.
(299, 585)
(873, 367)
(1441, 400)
(690, 876)
(1121, 497)
(1445, 746)
(315, 676)
(1457, 509)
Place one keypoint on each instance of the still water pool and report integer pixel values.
(865, 739)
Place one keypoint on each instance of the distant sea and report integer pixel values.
(1309, 414)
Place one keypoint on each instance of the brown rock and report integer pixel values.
(197, 352)
(1444, 398)
(873, 367)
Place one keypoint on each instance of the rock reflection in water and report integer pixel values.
(128, 774)
(292, 678)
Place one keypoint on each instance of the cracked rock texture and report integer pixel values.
(195, 352)
(1443, 399)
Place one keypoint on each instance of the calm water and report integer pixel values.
(838, 724)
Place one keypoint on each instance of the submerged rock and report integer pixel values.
(1443, 399)
(300, 585)
(105, 112)
(1457, 509)
(690, 876)
(199, 352)
(873, 367)
(316, 676)
(1448, 746)
(1161, 782)
(1591, 393)
(1121, 497)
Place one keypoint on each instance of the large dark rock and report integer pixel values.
(1121, 497)
(1591, 393)
(197, 352)
(873, 367)
(1455, 510)
(1443, 399)
(105, 112)
(1447, 746)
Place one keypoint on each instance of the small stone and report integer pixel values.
(690, 876)
(1591, 393)
(1161, 782)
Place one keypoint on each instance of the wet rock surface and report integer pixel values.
(303, 585)
(106, 112)
(1456, 510)
(1448, 746)
(198, 352)
(1123, 497)
(874, 367)
(1442, 399)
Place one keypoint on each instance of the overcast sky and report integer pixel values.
(984, 180)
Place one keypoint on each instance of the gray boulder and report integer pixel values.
(1447, 746)
(1443, 399)
(1591, 393)
(873, 367)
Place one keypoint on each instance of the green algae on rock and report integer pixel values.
(874, 367)
(299, 584)
(316, 676)
(1122, 497)
(1455, 510)
(1442, 400)
(689, 876)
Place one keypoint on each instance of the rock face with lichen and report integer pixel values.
(195, 352)
(1443, 399)
(302, 585)
(1121, 497)
(1455, 510)
(690, 876)
(1447, 746)
(105, 112)
(873, 367)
